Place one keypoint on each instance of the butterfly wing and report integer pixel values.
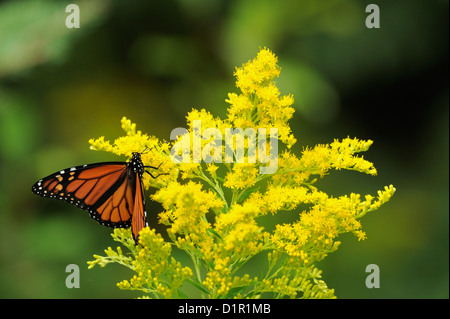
(139, 219)
(103, 189)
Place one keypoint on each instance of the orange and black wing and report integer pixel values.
(103, 189)
(139, 220)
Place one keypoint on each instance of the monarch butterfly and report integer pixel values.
(112, 192)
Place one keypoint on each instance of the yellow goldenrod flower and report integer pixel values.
(215, 211)
(242, 176)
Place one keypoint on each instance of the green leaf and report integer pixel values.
(212, 231)
(198, 285)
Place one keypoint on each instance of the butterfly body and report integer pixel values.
(111, 192)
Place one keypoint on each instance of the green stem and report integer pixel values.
(215, 186)
(195, 261)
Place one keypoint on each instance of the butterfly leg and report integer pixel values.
(153, 167)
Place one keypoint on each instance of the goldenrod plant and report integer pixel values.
(217, 201)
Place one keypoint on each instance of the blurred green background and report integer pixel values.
(153, 61)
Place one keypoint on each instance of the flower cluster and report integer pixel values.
(157, 272)
(224, 214)
(260, 104)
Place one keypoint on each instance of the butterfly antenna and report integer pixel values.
(146, 150)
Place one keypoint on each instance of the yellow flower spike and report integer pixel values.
(128, 126)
